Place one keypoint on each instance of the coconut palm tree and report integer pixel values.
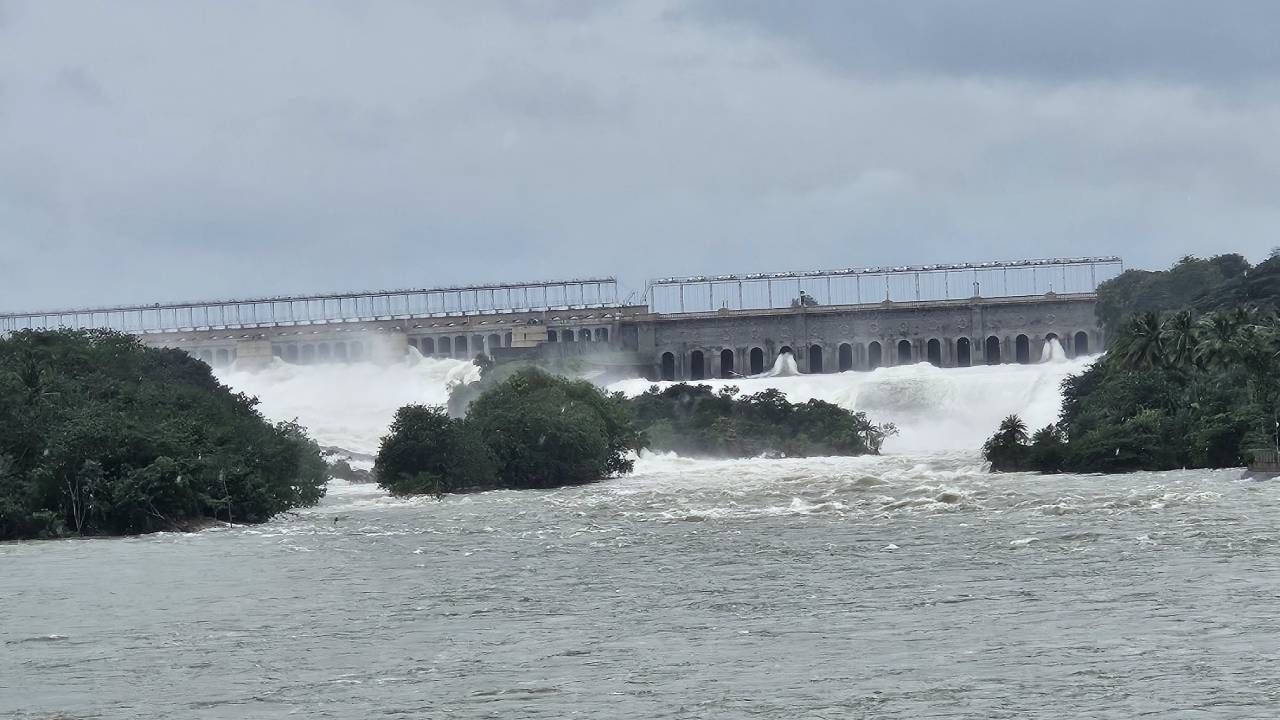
(1178, 338)
(1007, 448)
(1219, 340)
(1140, 344)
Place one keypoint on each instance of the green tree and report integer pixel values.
(1140, 344)
(1007, 449)
(426, 451)
(1179, 340)
(546, 431)
(105, 436)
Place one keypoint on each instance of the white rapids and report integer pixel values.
(935, 409)
(349, 405)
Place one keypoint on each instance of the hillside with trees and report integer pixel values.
(100, 435)
(1191, 377)
(1222, 282)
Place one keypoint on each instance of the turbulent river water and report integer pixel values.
(913, 585)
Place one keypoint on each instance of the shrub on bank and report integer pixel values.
(100, 435)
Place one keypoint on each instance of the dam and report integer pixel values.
(681, 328)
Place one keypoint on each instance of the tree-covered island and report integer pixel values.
(100, 435)
(1191, 377)
(522, 427)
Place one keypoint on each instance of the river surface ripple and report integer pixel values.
(887, 587)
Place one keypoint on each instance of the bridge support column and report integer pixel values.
(253, 354)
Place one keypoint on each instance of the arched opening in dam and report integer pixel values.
(875, 355)
(1022, 349)
(697, 365)
(1081, 345)
(726, 363)
(844, 357)
(460, 346)
(495, 341)
(446, 346)
(602, 335)
(552, 336)
(964, 354)
(668, 366)
(584, 335)
(815, 358)
(757, 361)
(904, 352)
(428, 346)
(992, 354)
(934, 352)
(785, 350)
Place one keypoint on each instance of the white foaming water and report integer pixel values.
(349, 406)
(935, 409)
(784, 366)
(954, 409)
(1053, 352)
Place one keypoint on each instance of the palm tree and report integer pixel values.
(1007, 449)
(1179, 339)
(1219, 340)
(1140, 344)
(1012, 430)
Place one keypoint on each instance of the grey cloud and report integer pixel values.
(1065, 40)
(79, 83)
(257, 148)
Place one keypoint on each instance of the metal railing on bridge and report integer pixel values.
(328, 308)
(855, 286)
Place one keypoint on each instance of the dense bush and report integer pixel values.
(694, 420)
(546, 430)
(101, 435)
(529, 430)
(426, 451)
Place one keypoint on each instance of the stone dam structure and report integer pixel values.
(688, 328)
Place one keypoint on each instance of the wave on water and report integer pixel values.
(349, 405)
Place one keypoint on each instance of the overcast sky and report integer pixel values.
(179, 149)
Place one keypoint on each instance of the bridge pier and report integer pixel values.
(253, 354)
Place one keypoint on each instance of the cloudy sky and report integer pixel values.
(162, 149)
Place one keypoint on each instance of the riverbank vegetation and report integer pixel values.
(694, 420)
(523, 427)
(1192, 379)
(100, 435)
